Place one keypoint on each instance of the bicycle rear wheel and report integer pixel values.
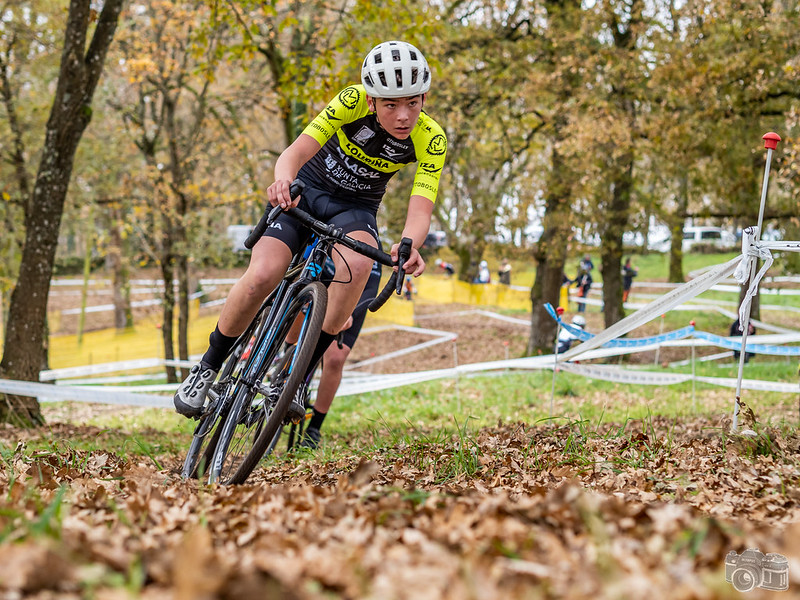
(255, 418)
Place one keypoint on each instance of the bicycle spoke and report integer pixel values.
(258, 413)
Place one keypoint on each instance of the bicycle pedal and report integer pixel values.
(287, 420)
(262, 389)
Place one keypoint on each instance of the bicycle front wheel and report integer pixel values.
(207, 433)
(256, 417)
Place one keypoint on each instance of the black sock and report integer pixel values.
(219, 346)
(316, 419)
(323, 344)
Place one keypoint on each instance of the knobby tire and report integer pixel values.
(260, 427)
(207, 433)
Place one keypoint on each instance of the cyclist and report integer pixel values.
(345, 157)
(566, 337)
(333, 362)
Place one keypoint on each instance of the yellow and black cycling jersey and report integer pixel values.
(358, 157)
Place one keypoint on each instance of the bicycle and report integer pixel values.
(294, 431)
(248, 403)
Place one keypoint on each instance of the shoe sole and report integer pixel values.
(187, 410)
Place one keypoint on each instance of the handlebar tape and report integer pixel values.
(270, 215)
(403, 254)
(387, 291)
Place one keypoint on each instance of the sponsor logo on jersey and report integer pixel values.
(355, 151)
(356, 167)
(363, 134)
(276, 225)
(430, 167)
(330, 161)
(391, 152)
(349, 97)
(330, 113)
(438, 145)
(318, 127)
(401, 145)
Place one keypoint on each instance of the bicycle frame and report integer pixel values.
(295, 278)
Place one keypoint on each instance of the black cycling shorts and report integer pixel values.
(350, 335)
(326, 207)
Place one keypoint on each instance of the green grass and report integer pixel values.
(432, 412)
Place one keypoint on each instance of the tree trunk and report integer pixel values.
(25, 343)
(183, 311)
(615, 222)
(168, 274)
(676, 231)
(467, 267)
(551, 255)
(121, 287)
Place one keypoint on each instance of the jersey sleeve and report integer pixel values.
(431, 148)
(347, 106)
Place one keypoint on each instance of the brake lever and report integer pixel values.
(403, 254)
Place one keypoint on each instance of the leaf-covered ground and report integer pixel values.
(645, 510)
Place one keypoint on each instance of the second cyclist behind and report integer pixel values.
(345, 157)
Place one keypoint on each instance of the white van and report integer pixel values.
(711, 236)
(236, 235)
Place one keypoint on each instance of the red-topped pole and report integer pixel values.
(771, 140)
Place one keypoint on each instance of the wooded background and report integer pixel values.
(589, 117)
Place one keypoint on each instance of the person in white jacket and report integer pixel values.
(566, 337)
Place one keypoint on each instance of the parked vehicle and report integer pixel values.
(707, 236)
(435, 239)
(236, 235)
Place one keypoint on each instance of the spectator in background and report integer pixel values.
(408, 288)
(446, 267)
(628, 273)
(565, 337)
(584, 283)
(736, 331)
(504, 272)
(483, 276)
(586, 264)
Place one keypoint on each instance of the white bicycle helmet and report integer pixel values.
(579, 321)
(395, 70)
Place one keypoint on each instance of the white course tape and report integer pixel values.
(616, 374)
(619, 375)
(709, 358)
(440, 337)
(657, 307)
(114, 367)
(51, 393)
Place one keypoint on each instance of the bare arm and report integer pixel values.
(287, 166)
(418, 221)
